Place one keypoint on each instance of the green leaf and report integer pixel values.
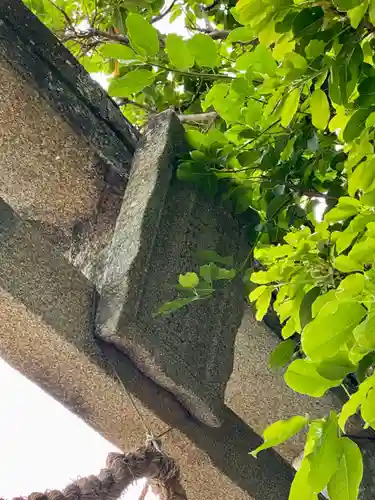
(340, 213)
(290, 107)
(301, 376)
(364, 365)
(204, 50)
(212, 256)
(241, 34)
(371, 12)
(178, 52)
(188, 280)
(356, 124)
(337, 367)
(225, 274)
(132, 83)
(314, 49)
(322, 301)
(354, 402)
(301, 488)
(276, 204)
(356, 14)
(280, 431)
(362, 178)
(257, 292)
(368, 408)
(142, 35)
(282, 354)
(352, 285)
(324, 461)
(364, 333)
(262, 304)
(319, 107)
(344, 240)
(305, 311)
(363, 252)
(308, 21)
(118, 51)
(346, 264)
(324, 336)
(344, 484)
(345, 5)
(174, 305)
(366, 91)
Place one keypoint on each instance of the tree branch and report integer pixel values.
(95, 33)
(125, 100)
(199, 117)
(62, 11)
(163, 14)
(214, 34)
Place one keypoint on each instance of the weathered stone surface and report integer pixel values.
(36, 54)
(52, 177)
(46, 331)
(260, 397)
(161, 225)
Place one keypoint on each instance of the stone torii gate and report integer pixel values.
(94, 228)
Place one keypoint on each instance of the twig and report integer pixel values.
(144, 491)
(211, 6)
(213, 33)
(125, 100)
(93, 32)
(62, 11)
(163, 14)
(192, 73)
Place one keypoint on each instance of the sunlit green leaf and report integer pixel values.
(282, 354)
(188, 280)
(280, 431)
(178, 52)
(301, 488)
(290, 107)
(324, 461)
(301, 376)
(319, 109)
(204, 49)
(344, 484)
(323, 336)
(132, 83)
(118, 51)
(354, 402)
(356, 124)
(356, 14)
(143, 36)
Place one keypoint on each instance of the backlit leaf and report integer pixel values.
(132, 83)
(118, 51)
(323, 336)
(346, 264)
(354, 402)
(301, 488)
(344, 484)
(362, 178)
(280, 431)
(368, 408)
(356, 14)
(188, 280)
(241, 34)
(345, 5)
(324, 461)
(356, 124)
(364, 333)
(142, 35)
(262, 304)
(319, 107)
(178, 52)
(174, 305)
(204, 50)
(290, 107)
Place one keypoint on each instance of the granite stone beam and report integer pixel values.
(46, 332)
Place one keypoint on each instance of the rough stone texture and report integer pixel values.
(51, 177)
(161, 225)
(258, 394)
(260, 397)
(36, 54)
(46, 331)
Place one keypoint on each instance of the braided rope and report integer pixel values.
(122, 470)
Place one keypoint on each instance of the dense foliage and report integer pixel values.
(278, 97)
